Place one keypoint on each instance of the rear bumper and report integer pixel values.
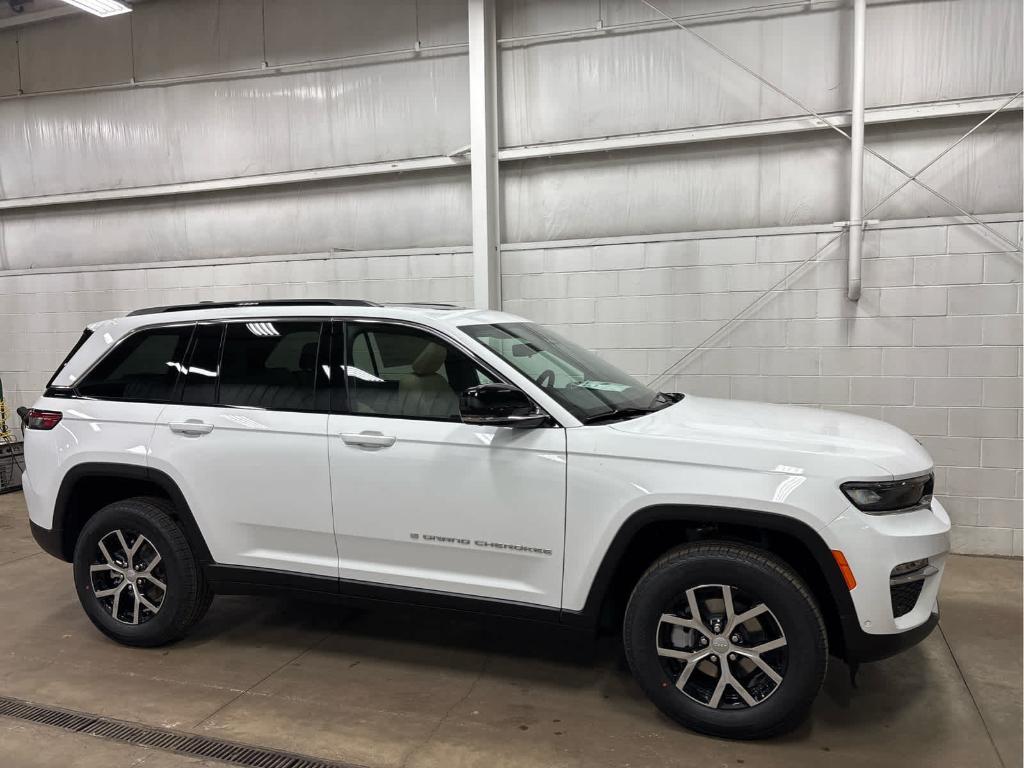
(860, 646)
(51, 541)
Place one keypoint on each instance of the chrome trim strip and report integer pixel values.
(919, 575)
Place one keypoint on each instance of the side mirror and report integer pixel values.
(499, 405)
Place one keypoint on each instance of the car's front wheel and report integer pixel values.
(136, 576)
(727, 640)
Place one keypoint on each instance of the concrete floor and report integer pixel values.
(415, 689)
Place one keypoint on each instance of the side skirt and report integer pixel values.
(241, 580)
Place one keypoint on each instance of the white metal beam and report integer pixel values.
(875, 116)
(239, 182)
(483, 135)
(798, 124)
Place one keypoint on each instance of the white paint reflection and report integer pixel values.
(786, 487)
(359, 373)
(243, 421)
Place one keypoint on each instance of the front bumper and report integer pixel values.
(873, 546)
(860, 646)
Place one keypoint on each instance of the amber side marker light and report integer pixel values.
(844, 568)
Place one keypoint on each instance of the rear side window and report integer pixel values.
(270, 364)
(144, 367)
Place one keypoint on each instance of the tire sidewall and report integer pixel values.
(799, 619)
(126, 515)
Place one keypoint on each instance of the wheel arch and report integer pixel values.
(86, 488)
(650, 532)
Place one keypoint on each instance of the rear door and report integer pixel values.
(423, 500)
(247, 444)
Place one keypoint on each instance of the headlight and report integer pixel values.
(880, 498)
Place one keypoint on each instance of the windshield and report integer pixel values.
(578, 380)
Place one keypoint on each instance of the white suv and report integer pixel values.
(473, 460)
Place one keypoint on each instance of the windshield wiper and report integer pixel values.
(619, 414)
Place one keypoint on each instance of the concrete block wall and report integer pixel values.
(933, 345)
(42, 314)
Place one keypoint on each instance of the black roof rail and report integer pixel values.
(255, 303)
(423, 305)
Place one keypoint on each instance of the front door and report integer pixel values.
(247, 445)
(422, 500)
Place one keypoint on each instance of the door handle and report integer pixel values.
(191, 428)
(368, 439)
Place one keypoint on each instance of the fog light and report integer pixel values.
(913, 565)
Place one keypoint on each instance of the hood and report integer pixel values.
(763, 436)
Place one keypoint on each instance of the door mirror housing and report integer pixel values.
(500, 405)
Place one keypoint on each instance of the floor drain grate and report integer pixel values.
(161, 738)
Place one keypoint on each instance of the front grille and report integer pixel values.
(904, 597)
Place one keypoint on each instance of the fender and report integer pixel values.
(767, 521)
(64, 502)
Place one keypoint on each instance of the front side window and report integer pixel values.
(270, 365)
(404, 372)
(143, 367)
(577, 379)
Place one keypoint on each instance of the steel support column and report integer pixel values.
(856, 222)
(483, 135)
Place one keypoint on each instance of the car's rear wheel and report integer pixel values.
(136, 576)
(727, 640)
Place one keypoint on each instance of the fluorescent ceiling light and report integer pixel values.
(100, 7)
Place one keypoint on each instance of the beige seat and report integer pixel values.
(425, 392)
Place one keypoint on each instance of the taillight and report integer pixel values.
(36, 419)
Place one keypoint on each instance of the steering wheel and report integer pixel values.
(546, 379)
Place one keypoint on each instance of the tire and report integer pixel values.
(754, 578)
(185, 596)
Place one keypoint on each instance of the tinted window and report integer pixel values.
(270, 364)
(203, 366)
(404, 372)
(143, 367)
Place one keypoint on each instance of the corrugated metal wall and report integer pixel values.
(408, 105)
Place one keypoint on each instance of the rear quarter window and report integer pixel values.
(144, 367)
